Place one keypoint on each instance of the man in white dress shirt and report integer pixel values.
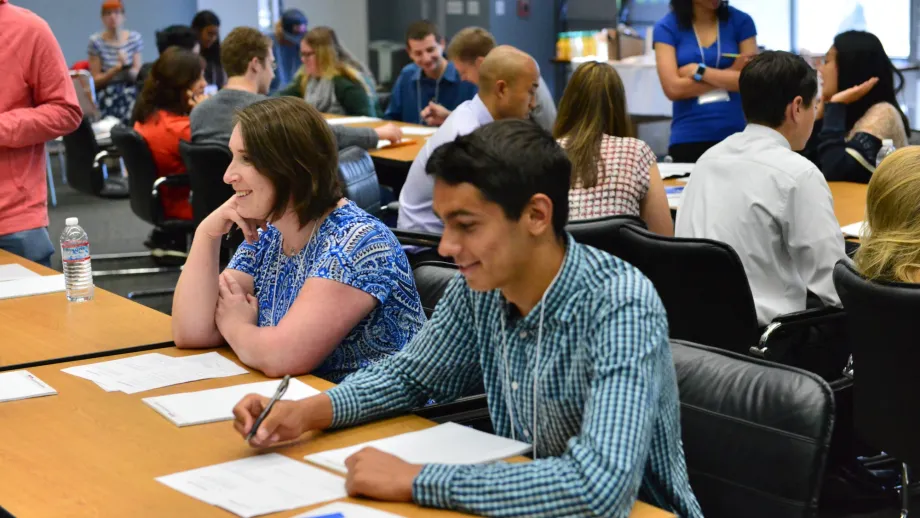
(773, 206)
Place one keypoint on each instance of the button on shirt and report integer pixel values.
(609, 423)
(415, 212)
(775, 209)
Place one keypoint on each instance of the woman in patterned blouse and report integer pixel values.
(612, 173)
(324, 287)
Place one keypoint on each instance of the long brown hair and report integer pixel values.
(593, 105)
(890, 246)
(322, 40)
(173, 74)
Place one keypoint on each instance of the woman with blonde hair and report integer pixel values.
(325, 81)
(612, 173)
(890, 244)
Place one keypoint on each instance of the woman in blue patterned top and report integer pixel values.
(324, 287)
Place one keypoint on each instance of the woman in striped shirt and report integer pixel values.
(115, 60)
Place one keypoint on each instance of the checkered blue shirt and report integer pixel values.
(609, 423)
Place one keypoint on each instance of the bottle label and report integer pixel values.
(76, 252)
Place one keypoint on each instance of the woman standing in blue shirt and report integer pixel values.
(325, 287)
(701, 47)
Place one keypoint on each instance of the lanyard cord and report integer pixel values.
(718, 45)
(418, 89)
(280, 267)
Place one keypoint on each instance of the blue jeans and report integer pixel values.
(34, 245)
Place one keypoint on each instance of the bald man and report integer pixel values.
(508, 81)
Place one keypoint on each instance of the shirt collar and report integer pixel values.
(560, 290)
(759, 131)
(450, 74)
(482, 114)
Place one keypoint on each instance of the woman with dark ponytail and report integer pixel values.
(207, 25)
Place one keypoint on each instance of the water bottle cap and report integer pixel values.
(71, 222)
(888, 142)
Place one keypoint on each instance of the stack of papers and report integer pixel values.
(382, 143)
(448, 443)
(361, 119)
(418, 131)
(209, 406)
(346, 510)
(674, 196)
(155, 370)
(22, 385)
(853, 229)
(12, 272)
(258, 485)
(674, 169)
(28, 286)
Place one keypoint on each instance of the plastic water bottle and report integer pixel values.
(78, 270)
(886, 149)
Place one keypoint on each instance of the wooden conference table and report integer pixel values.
(43, 328)
(401, 155)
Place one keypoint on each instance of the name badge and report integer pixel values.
(714, 96)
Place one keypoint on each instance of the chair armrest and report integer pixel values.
(412, 238)
(390, 208)
(806, 318)
(176, 180)
(102, 154)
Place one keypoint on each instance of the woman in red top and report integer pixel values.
(175, 85)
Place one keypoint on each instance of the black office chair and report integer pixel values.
(144, 186)
(360, 183)
(206, 164)
(431, 279)
(602, 233)
(756, 434)
(705, 291)
(882, 332)
(86, 164)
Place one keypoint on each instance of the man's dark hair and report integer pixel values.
(176, 36)
(509, 161)
(771, 81)
(421, 29)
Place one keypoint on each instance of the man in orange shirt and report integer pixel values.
(37, 104)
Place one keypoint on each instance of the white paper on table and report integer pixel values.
(418, 131)
(183, 370)
(210, 406)
(382, 143)
(853, 229)
(12, 272)
(258, 485)
(18, 385)
(348, 511)
(673, 169)
(360, 119)
(447, 443)
(106, 374)
(39, 285)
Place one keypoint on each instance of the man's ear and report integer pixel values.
(796, 108)
(539, 214)
(501, 88)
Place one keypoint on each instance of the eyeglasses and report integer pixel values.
(307, 55)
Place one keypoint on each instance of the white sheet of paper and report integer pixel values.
(209, 406)
(258, 485)
(17, 385)
(672, 169)
(348, 511)
(12, 272)
(31, 286)
(418, 132)
(154, 370)
(447, 443)
(382, 143)
(853, 229)
(360, 119)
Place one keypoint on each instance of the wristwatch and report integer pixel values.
(698, 76)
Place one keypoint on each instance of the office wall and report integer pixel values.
(349, 18)
(232, 13)
(74, 20)
(534, 34)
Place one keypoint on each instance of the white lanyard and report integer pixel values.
(718, 45)
(509, 401)
(418, 89)
(281, 266)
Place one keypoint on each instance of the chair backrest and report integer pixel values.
(206, 165)
(702, 284)
(602, 233)
(756, 434)
(86, 92)
(359, 179)
(882, 332)
(431, 279)
(142, 172)
(80, 150)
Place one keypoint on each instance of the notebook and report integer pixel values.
(448, 443)
(31, 286)
(18, 385)
(210, 406)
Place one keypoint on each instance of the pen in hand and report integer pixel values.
(279, 393)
